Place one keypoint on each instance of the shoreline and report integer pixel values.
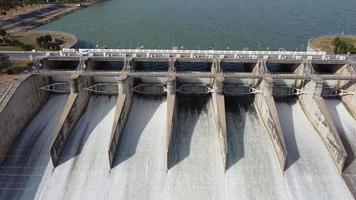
(323, 43)
(29, 24)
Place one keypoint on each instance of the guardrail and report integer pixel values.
(210, 54)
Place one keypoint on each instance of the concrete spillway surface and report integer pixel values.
(83, 168)
(196, 166)
(346, 126)
(310, 171)
(28, 161)
(253, 170)
(140, 162)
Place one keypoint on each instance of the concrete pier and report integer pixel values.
(316, 111)
(20, 104)
(220, 116)
(304, 69)
(348, 87)
(266, 108)
(258, 69)
(123, 105)
(171, 114)
(73, 110)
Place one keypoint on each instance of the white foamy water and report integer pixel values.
(196, 166)
(83, 167)
(253, 169)
(27, 163)
(140, 161)
(310, 171)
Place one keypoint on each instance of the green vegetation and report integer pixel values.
(327, 43)
(47, 43)
(6, 40)
(342, 46)
(13, 66)
(28, 41)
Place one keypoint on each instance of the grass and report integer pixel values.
(30, 38)
(325, 43)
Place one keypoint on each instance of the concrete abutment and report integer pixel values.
(17, 108)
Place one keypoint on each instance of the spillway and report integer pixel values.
(83, 168)
(346, 126)
(310, 172)
(140, 162)
(28, 162)
(252, 166)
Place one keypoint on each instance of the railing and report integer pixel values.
(206, 54)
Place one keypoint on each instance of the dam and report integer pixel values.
(180, 124)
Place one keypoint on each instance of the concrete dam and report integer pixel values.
(180, 124)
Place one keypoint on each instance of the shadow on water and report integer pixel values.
(236, 113)
(25, 165)
(97, 108)
(337, 120)
(284, 108)
(189, 109)
(142, 110)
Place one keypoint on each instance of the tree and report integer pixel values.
(4, 62)
(341, 46)
(44, 41)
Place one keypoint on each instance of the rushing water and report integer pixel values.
(196, 167)
(219, 24)
(310, 171)
(140, 161)
(83, 168)
(195, 162)
(253, 169)
(346, 127)
(27, 162)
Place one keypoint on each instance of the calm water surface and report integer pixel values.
(202, 24)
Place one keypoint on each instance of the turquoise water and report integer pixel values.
(202, 24)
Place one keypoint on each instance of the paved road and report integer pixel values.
(23, 55)
(32, 16)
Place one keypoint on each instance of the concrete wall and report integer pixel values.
(123, 106)
(19, 106)
(220, 116)
(171, 114)
(220, 123)
(75, 106)
(266, 108)
(316, 111)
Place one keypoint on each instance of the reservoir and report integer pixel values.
(203, 24)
